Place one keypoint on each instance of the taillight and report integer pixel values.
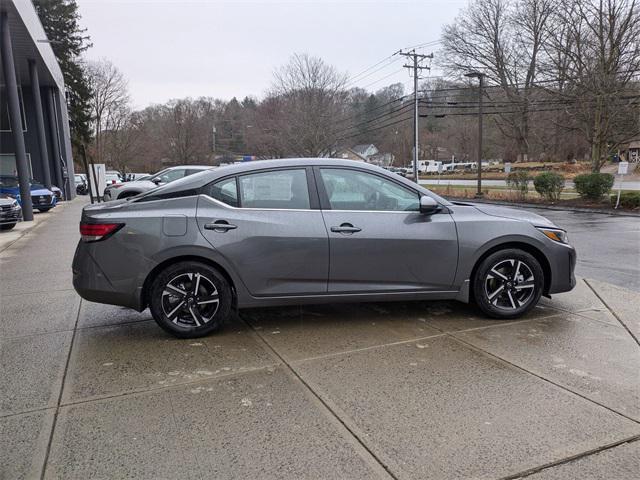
(94, 232)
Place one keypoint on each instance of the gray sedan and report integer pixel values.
(283, 232)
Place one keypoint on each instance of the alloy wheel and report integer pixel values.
(509, 284)
(190, 300)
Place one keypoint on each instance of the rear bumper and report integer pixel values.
(93, 285)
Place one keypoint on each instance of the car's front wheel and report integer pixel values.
(508, 283)
(190, 299)
(7, 226)
(44, 210)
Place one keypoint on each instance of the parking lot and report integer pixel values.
(414, 390)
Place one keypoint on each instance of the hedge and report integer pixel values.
(549, 185)
(593, 185)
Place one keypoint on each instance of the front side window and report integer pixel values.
(357, 190)
(224, 191)
(276, 189)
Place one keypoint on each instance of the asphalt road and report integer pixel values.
(608, 246)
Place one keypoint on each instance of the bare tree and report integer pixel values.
(595, 52)
(109, 96)
(503, 40)
(311, 95)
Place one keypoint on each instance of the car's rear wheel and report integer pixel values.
(7, 226)
(190, 299)
(508, 283)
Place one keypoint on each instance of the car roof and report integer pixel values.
(193, 167)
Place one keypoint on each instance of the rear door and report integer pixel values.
(268, 225)
(378, 239)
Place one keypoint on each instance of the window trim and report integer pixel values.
(324, 197)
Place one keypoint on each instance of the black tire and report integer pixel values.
(190, 319)
(498, 294)
(44, 210)
(7, 226)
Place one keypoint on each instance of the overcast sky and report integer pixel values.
(174, 49)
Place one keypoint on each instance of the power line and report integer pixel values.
(374, 129)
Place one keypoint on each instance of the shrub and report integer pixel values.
(627, 199)
(549, 185)
(519, 181)
(593, 185)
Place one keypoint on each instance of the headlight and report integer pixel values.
(15, 204)
(555, 234)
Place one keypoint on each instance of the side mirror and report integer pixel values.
(157, 181)
(428, 205)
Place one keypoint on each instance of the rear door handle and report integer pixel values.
(345, 228)
(220, 226)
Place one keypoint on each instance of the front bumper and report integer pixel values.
(43, 201)
(10, 215)
(562, 263)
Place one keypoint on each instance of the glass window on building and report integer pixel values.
(8, 165)
(5, 126)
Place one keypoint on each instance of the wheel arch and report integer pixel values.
(531, 249)
(128, 193)
(186, 258)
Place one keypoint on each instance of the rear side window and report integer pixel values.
(286, 189)
(225, 191)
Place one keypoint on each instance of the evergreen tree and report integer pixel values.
(60, 19)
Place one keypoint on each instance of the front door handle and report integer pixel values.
(220, 226)
(345, 228)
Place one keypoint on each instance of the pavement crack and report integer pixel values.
(544, 379)
(58, 403)
(612, 312)
(570, 459)
(372, 459)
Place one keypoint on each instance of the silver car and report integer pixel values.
(283, 232)
(120, 190)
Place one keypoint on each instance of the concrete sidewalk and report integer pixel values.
(400, 390)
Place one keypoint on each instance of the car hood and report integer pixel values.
(41, 191)
(513, 214)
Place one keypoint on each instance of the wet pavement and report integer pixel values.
(608, 246)
(413, 390)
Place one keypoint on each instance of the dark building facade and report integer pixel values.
(34, 126)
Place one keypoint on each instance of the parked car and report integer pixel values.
(81, 184)
(42, 198)
(10, 212)
(57, 192)
(296, 231)
(112, 178)
(168, 175)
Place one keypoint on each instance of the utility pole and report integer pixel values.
(480, 77)
(416, 69)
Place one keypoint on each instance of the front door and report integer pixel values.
(378, 239)
(269, 227)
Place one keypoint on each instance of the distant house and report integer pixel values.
(366, 150)
(350, 154)
(381, 159)
(633, 151)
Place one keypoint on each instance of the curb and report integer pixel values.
(547, 207)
